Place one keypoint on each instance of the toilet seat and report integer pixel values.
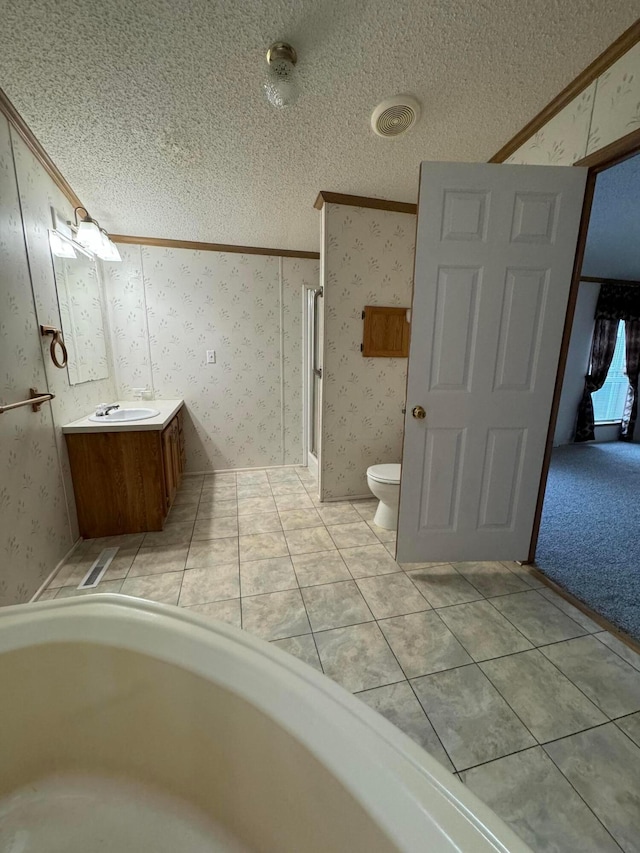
(385, 473)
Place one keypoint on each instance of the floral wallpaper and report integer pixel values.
(607, 110)
(38, 194)
(168, 306)
(35, 527)
(617, 107)
(563, 140)
(368, 260)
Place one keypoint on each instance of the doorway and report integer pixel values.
(588, 540)
(432, 492)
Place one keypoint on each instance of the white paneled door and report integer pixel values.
(494, 257)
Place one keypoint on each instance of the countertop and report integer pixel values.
(167, 409)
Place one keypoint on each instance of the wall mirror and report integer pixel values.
(81, 310)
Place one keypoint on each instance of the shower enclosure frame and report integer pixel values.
(312, 373)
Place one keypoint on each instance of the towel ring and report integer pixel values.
(56, 341)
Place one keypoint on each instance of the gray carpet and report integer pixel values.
(589, 538)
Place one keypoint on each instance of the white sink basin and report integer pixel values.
(124, 416)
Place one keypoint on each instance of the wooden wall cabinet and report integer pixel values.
(125, 481)
(386, 332)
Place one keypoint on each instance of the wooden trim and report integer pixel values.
(613, 153)
(601, 160)
(618, 48)
(16, 120)
(211, 247)
(19, 124)
(325, 197)
(584, 608)
(599, 280)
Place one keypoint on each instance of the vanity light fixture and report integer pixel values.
(88, 232)
(281, 85)
(60, 247)
(95, 239)
(109, 250)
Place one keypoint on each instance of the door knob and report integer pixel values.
(418, 412)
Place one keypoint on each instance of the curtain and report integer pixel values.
(602, 348)
(619, 301)
(632, 336)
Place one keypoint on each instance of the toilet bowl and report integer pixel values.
(384, 482)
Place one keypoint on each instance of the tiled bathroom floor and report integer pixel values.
(530, 702)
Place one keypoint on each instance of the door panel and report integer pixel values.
(494, 259)
(520, 326)
(441, 473)
(501, 477)
(455, 309)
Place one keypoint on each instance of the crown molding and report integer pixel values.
(325, 197)
(618, 48)
(211, 247)
(19, 124)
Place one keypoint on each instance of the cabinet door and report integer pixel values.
(181, 451)
(170, 480)
(175, 453)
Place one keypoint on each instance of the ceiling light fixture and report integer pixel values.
(281, 85)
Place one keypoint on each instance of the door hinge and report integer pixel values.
(361, 347)
(363, 315)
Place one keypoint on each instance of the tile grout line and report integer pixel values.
(609, 634)
(414, 693)
(564, 776)
(407, 573)
(440, 741)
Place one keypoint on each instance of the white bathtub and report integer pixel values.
(133, 726)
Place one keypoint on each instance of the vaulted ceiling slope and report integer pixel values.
(613, 239)
(154, 113)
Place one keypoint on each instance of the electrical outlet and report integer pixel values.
(211, 356)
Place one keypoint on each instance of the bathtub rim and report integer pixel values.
(404, 789)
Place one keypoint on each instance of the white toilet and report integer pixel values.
(384, 482)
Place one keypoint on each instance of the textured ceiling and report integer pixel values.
(613, 240)
(153, 110)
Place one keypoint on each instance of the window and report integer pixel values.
(608, 402)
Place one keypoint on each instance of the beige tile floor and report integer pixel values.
(526, 699)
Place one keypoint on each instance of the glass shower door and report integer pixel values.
(315, 377)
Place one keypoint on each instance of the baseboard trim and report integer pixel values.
(234, 470)
(52, 575)
(350, 498)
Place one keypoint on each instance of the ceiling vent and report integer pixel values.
(395, 116)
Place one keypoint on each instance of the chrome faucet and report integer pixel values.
(104, 409)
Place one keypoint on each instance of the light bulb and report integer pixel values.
(89, 235)
(114, 254)
(108, 250)
(59, 247)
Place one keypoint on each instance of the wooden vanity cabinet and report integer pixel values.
(172, 458)
(125, 481)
